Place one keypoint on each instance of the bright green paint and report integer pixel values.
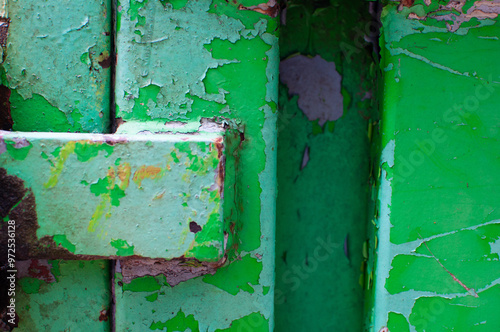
(16, 150)
(142, 284)
(397, 322)
(122, 247)
(253, 322)
(37, 112)
(230, 72)
(179, 323)
(62, 240)
(437, 213)
(239, 276)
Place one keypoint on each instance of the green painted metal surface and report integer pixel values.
(56, 71)
(64, 296)
(437, 219)
(323, 149)
(180, 63)
(156, 196)
(55, 76)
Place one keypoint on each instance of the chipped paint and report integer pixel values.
(318, 85)
(126, 183)
(230, 76)
(32, 71)
(436, 213)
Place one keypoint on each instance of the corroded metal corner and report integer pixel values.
(86, 196)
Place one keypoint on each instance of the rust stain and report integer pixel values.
(103, 315)
(407, 3)
(480, 10)
(221, 168)
(176, 270)
(270, 8)
(124, 171)
(6, 122)
(150, 172)
(114, 139)
(104, 60)
(39, 271)
(4, 30)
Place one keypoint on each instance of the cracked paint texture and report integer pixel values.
(56, 65)
(180, 63)
(437, 221)
(141, 193)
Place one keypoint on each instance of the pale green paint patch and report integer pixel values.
(181, 74)
(133, 189)
(62, 42)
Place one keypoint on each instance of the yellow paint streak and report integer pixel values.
(99, 211)
(56, 170)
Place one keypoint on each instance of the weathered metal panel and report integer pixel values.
(437, 221)
(55, 76)
(56, 69)
(179, 63)
(157, 196)
(59, 295)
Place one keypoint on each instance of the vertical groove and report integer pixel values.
(112, 104)
(112, 306)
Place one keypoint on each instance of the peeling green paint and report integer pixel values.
(240, 275)
(253, 322)
(179, 323)
(18, 149)
(229, 77)
(62, 42)
(133, 191)
(143, 284)
(123, 248)
(62, 240)
(437, 213)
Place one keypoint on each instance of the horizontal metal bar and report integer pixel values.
(157, 196)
